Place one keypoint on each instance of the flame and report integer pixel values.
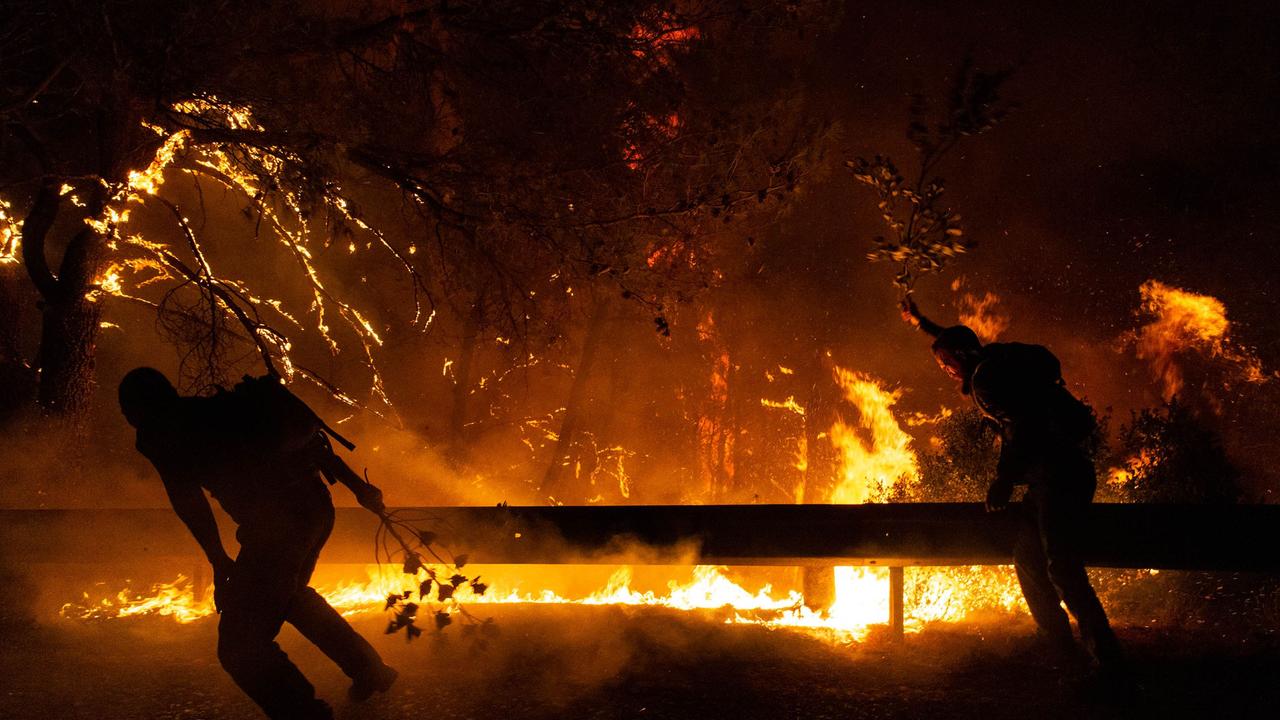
(862, 601)
(874, 455)
(981, 312)
(789, 404)
(1184, 322)
(10, 236)
(875, 458)
(1132, 469)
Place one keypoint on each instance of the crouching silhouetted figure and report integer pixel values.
(261, 453)
(1045, 444)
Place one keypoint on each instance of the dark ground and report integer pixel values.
(625, 663)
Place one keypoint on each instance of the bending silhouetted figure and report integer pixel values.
(1045, 444)
(260, 453)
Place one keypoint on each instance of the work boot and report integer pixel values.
(1057, 650)
(380, 680)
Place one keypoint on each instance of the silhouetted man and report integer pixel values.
(1045, 444)
(260, 452)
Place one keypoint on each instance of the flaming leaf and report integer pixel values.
(444, 592)
(457, 580)
(424, 589)
(392, 599)
(478, 587)
(460, 561)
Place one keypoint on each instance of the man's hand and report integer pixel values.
(910, 313)
(369, 497)
(998, 496)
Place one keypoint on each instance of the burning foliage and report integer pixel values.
(1186, 333)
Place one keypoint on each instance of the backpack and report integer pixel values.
(272, 419)
(1026, 381)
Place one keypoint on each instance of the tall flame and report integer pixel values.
(874, 453)
(981, 313)
(1182, 322)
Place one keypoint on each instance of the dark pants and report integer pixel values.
(1049, 567)
(268, 587)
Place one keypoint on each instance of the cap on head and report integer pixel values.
(145, 395)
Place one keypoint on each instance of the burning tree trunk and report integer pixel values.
(818, 583)
(563, 455)
(462, 382)
(71, 318)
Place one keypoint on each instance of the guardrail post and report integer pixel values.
(897, 624)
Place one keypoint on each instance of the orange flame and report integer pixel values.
(1184, 322)
(981, 312)
(875, 457)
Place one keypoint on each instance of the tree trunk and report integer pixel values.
(458, 415)
(573, 409)
(17, 375)
(68, 340)
(818, 583)
(70, 326)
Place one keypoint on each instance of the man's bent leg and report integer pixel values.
(1032, 568)
(329, 631)
(250, 655)
(275, 556)
(1059, 523)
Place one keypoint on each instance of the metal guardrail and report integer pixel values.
(1186, 537)
(1190, 537)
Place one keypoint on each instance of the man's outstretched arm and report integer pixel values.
(192, 507)
(913, 317)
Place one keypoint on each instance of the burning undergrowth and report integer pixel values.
(851, 446)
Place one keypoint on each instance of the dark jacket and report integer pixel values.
(1045, 431)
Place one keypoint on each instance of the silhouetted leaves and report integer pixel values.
(414, 552)
(412, 562)
(924, 233)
